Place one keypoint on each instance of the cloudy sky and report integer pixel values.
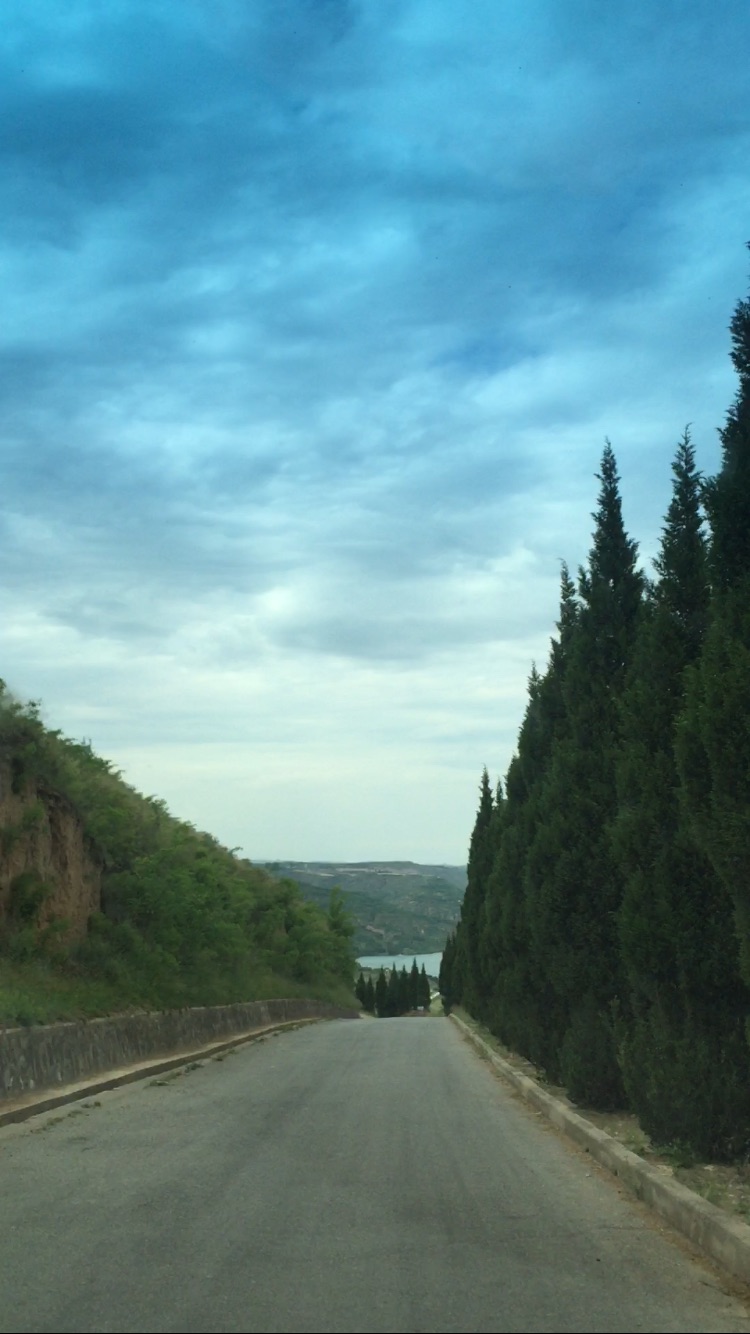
(316, 315)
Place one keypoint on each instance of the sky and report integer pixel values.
(317, 315)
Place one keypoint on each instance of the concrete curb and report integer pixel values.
(22, 1109)
(723, 1238)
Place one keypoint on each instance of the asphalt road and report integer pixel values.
(347, 1176)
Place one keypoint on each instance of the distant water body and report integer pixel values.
(431, 962)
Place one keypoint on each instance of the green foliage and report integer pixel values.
(23, 740)
(24, 935)
(28, 893)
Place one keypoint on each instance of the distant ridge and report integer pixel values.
(396, 906)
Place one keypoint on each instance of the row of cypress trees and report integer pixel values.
(398, 993)
(605, 928)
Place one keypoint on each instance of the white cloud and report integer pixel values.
(311, 344)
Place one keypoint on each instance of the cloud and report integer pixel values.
(316, 316)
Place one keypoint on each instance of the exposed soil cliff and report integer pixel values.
(45, 854)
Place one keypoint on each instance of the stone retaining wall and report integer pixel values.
(52, 1055)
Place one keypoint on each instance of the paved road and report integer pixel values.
(349, 1176)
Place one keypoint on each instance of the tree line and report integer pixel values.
(398, 993)
(605, 928)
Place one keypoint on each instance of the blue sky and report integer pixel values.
(317, 314)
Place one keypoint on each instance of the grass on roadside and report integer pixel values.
(37, 992)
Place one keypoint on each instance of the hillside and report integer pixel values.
(108, 902)
(397, 907)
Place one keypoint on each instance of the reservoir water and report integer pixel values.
(431, 962)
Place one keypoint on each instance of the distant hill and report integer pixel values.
(397, 907)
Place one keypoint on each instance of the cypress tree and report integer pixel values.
(728, 495)
(522, 1005)
(414, 987)
(445, 976)
(381, 995)
(713, 738)
(472, 991)
(424, 993)
(393, 993)
(681, 1031)
(573, 882)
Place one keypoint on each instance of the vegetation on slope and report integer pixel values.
(183, 921)
(396, 907)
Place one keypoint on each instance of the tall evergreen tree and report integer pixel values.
(414, 987)
(713, 739)
(523, 1009)
(445, 976)
(393, 993)
(470, 990)
(684, 592)
(728, 494)
(381, 995)
(681, 1030)
(573, 882)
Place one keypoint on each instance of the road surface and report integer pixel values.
(346, 1176)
